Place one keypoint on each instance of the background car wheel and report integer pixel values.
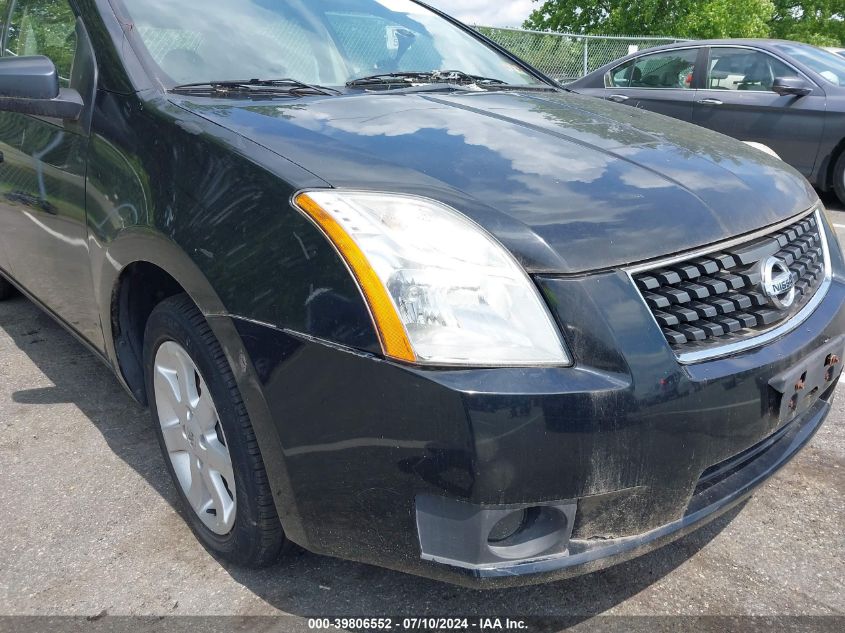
(208, 442)
(839, 178)
(7, 290)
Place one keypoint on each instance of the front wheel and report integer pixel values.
(207, 439)
(839, 178)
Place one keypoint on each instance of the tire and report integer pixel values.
(839, 178)
(7, 290)
(241, 524)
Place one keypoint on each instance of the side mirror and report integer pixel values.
(791, 86)
(30, 85)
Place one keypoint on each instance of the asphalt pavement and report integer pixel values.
(89, 528)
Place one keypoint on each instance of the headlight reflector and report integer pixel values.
(441, 290)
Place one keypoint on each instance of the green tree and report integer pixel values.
(640, 17)
(727, 18)
(816, 21)
(820, 22)
(679, 18)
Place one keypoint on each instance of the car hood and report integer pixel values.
(568, 183)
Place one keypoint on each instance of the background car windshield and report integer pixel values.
(827, 64)
(326, 42)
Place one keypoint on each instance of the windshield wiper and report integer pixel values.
(456, 78)
(256, 87)
(411, 78)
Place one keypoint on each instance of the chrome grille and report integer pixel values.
(713, 300)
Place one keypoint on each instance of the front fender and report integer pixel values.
(140, 244)
(146, 245)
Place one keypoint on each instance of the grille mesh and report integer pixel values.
(717, 299)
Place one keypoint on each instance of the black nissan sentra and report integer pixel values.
(392, 295)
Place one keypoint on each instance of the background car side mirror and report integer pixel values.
(791, 86)
(30, 85)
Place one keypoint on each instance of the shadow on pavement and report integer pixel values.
(305, 584)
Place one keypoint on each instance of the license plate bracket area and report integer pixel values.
(803, 384)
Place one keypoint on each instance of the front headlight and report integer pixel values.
(440, 289)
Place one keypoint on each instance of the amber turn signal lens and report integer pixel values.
(391, 331)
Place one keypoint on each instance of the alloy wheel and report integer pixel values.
(194, 437)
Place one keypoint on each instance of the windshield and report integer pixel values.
(827, 64)
(324, 42)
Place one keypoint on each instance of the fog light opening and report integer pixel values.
(471, 536)
(529, 532)
(509, 526)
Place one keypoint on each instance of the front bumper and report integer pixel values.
(752, 468)
(629, 436)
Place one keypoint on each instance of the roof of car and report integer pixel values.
(750, 41)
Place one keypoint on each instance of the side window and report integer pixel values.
(43, 27)
(619, 77)
(744, 69)
(671, 69)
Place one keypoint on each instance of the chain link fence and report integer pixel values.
(566, 57)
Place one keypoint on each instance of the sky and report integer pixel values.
(486, 12)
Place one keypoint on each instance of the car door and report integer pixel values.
(42, 180)
(737, 99)
(661, 82)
